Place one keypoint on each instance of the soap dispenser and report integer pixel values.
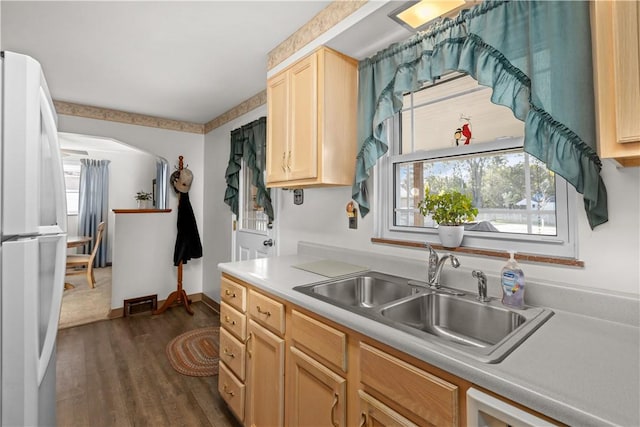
(512, 281)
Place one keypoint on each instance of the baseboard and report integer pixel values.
(211, 303)
(197, 297)
(116, 312)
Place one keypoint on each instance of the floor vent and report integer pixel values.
(140, 305)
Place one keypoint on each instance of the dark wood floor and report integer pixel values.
(116, 373)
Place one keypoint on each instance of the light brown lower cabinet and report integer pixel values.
(316, 396)
(334, 376)
(265, 377)
(374, 413)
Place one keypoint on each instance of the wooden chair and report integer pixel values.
(83, 263)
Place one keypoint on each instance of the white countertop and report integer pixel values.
(579, 370)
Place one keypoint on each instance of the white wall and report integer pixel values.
(611, 252)
(129, 172)
(139, 268)
(217, 217)
(168, 144)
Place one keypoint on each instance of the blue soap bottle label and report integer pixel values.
(512, 280)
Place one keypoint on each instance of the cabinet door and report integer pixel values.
(374, 413)
(626, 18)
(302, 157)
(316, 396)
(277, 127)
(265, 377)
(616, 53)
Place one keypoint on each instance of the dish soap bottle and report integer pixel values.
(512, 280)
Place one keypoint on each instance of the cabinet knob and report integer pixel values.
(268, 242)
(226, 390)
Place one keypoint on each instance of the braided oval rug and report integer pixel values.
(195, 353)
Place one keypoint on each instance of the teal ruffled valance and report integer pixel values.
(536, 57)
(248, 142)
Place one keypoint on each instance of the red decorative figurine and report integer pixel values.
(466, 132)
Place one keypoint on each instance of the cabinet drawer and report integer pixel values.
(266, 311)
(234, 294)
(232, 353)
(232, 391)
(324, 341)
(233, 321)
(425, 395)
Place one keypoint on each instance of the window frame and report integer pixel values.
(564, 244)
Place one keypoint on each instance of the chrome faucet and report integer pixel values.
(436, 264)
(482, 285)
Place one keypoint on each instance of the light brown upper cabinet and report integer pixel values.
(311, 122)
(616, 53)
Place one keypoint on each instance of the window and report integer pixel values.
(71, 169)
(253, 217)
(449, 135)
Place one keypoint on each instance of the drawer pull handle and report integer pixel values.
(289, 162)
(228, 293)
(226, 390)
(246, 343)
(228, 320)
(229, 353)
(284, 167)
(333, 409)
(266, 313)
(363, 419)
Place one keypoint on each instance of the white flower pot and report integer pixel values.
(144, 204)
(451, 235)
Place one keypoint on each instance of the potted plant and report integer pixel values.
(451, 210)
(144, 199)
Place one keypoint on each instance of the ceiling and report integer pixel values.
(189, 61)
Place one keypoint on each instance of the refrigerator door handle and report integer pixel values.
(56, 301)
(59, 189)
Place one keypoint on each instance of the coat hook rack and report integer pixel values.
(179, 296)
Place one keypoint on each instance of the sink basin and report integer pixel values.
(486, 331)
(459, 320)
(368, 290)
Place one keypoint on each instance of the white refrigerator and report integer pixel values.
(33, 226)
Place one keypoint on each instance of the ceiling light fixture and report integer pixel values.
(417, 15)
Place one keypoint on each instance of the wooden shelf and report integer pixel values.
(139, 211)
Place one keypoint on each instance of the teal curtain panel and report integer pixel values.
(536, 57)
(248, 142)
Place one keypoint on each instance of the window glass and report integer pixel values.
(72, 184)
(253, 216)
(514, 192)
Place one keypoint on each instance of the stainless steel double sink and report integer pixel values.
(485, 331)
